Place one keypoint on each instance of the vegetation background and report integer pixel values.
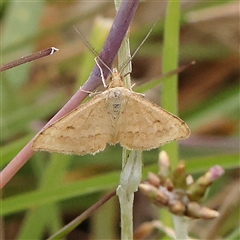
(52, 189)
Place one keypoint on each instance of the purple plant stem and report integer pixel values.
(107, 55)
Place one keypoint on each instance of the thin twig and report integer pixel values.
(29, 58)
(73, 224)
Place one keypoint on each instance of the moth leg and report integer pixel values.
(141, 94)
(131, 88)
(101, 71)
(85, 91)
(91, 94)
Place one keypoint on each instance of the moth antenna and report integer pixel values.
(135, 52)
(87, 43)
(94, 52)
(126, 74)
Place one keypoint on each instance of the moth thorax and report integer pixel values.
(115, 95)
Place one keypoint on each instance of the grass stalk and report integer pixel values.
(169, 98)
(169, 62)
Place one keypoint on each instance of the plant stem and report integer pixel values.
(180, 227)
(129, 180)
(131, 174)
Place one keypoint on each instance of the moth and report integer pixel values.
(117, 115)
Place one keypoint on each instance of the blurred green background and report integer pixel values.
(33, 204)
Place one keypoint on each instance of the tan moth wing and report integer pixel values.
(82, 131)
(145, 125)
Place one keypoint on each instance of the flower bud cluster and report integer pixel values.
(177, 191)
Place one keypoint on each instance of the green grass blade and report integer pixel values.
(221, 105)
(170, 62)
